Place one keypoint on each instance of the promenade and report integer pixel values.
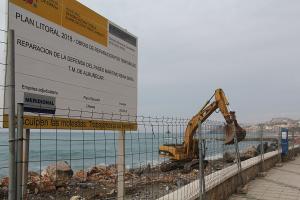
(280, 183)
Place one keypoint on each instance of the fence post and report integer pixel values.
(262, 152)
(20, 112)
(11, 113)
(201, 165)
(238, 157)
(262, 149)
(279, 164)
(25, 158)
(293, 146)
(121, 165)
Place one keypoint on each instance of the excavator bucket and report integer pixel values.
(229, 133)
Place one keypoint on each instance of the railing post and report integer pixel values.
(238, 157)
(262, 150)
(201, 165)
(10, 76)
(279, 164)
(20, 112)
(25, 157)
(121, 165)
(293, 146)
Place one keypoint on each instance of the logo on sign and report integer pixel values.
(32, 2)
(39, 103)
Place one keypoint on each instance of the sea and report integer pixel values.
(85, 149)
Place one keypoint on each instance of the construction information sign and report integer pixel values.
(72, 63)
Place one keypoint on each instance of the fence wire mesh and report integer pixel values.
(3, 133)
(67, 163)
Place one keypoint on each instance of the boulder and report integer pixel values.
(265, 148)
(86, 185)
(217, 165)
(99, 169)
(244, 155)
(33, 181)
(59, 172)
(248, 153)
(273, 147)
(61, 189)
(179, 182)
(3, 191)
(81, 176)
(112, 192)
(4, 182)
(96, 173)
(100, 173)
(229, 157)
(46, 185)
(37, 184)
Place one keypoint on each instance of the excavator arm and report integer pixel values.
(220, 103)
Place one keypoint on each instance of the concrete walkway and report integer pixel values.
(280, 183)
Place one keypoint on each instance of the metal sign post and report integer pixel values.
(121, 165)
(10, 76)
(20, 111)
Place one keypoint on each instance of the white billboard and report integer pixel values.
(71, 62)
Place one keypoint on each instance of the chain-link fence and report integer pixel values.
(3, 133)
(99, 164)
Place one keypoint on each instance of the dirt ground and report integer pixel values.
(100, 183)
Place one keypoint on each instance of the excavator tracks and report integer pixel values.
(186, 166)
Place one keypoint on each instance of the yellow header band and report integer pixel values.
(71, 15)
(42, 122)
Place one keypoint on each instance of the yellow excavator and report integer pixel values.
(186, 155)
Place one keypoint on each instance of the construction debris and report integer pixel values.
(100, 182)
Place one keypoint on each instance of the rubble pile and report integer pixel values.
(59, 181)
(4, 188)
(249, 152)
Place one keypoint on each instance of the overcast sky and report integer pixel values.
(187, 49)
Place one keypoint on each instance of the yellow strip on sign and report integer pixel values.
(81, 19)
(42, 8)
(71, 15)
(42, 122)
